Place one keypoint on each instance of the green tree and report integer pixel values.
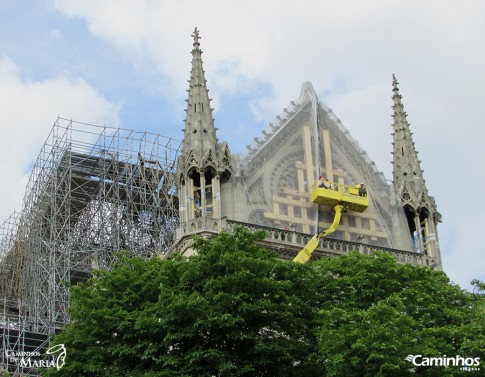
(377, 311)
(234, 309)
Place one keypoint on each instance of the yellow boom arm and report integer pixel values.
(306, 253)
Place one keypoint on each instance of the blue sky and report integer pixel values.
(126, 63)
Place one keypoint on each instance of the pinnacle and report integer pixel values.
(196, 37)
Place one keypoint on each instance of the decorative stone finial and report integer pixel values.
(196, 37)
(395, 84)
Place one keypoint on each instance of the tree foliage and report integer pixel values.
(236, 309)
(378, 311)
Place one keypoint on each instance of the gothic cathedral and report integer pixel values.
(268, 186)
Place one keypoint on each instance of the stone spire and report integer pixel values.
(407, 171)
(204, 166)
(409, 183)
(199, 132)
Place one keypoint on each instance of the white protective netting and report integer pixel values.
(271, 187)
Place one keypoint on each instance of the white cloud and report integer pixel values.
(28, 112)
(283, 43)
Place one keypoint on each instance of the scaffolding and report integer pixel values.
(92, 192)
(18, 343)
(10, 254)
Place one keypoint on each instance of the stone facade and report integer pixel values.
(269, 185)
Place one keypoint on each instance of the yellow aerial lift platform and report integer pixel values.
(342, 198)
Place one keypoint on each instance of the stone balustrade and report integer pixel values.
(288, 243)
